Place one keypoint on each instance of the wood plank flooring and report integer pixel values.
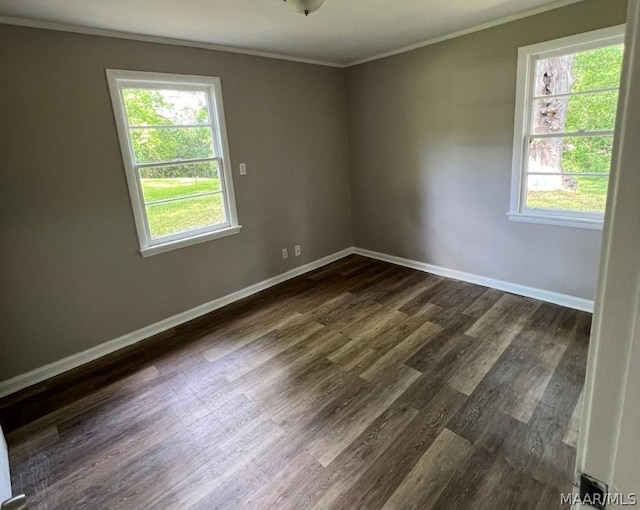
(361, 385)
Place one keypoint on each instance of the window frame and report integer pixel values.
(212, 87)
(527, 57)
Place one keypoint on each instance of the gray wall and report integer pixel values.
(429, 157)
(430, 141)
(71, 275)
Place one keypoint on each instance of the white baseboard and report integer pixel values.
(522, 290)
(41, 374)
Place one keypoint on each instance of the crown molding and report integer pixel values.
(77, 29)
(466, 31)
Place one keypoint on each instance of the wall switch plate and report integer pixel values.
(298, 250)
(285, 253)
(243, 169)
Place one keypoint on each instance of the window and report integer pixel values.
(174, 145)
(566, 105)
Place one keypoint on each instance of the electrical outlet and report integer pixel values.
(298, 250)
(285, 253)
(243, 169)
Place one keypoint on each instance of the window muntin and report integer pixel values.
(174, 146)
(182, 197)
(563, 140)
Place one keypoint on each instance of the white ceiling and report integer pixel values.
(341, 32)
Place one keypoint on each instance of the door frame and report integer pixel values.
(609, 444)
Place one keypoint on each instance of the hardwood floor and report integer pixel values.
(362, 385)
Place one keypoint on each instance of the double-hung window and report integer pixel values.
(567, 96)
(175, 151)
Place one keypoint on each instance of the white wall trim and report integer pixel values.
(466, 31)
(558, 221)
(608, 443)
(41, 374)
(211, 87)
(514, 288)
(522, 128)
(56, 368)
(78, 29)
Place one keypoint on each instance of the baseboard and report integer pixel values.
(56, 368)
(574, 302)
(41, 374)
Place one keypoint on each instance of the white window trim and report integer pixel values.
(527, 56)
(148, 246)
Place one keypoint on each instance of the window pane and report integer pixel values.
(169, 182)
(161, 107)
(597, 69)
(578, 72)
(573, 154)
(571, 193)
(185, 214)
(586, 112)
(155, 145)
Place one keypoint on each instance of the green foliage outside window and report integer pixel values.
(178, 196)
(595, 69)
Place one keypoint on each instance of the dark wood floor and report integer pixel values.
(361, 385)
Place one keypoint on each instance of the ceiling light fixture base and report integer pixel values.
(305, 7)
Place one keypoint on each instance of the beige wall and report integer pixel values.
(430, 141)
(428, 168)
(71, 275)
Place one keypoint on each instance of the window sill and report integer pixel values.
(181, 243)
(559, 221)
